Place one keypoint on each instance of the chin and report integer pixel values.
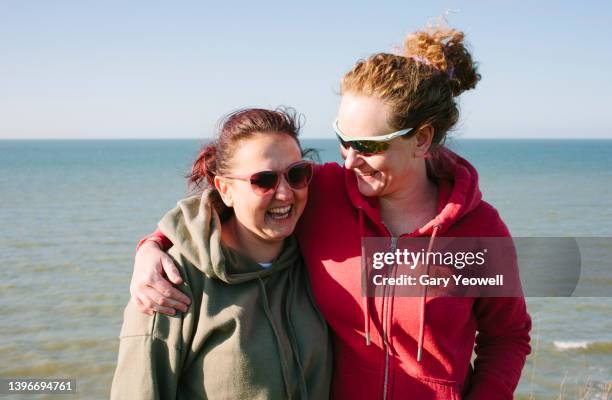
(277, 233)
(277, 236)
(369, 190)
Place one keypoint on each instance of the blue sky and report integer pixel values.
(153, 69)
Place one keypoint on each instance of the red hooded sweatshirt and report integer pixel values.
(377, 339)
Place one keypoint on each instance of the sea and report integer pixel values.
(72, 211)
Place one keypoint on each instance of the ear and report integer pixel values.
(224, 189)
(423, 140)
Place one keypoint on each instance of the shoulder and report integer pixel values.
(138, 326)
(327, 182)
(484, 220)
(326, 194)
(328, 173)
(193, 277)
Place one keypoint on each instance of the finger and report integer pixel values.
(169, 296)
(164, 288)
(171, 271)
(150, 302)
(171, 303)
(141, 307)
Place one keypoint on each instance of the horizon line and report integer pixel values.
(301, 138)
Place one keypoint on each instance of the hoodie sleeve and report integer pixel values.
(502, 343)
(157, 237)
(502, 346)
(149, 361)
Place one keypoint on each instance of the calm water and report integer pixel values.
(72, 211)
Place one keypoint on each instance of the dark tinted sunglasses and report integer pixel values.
(298, 175)
(373, 144)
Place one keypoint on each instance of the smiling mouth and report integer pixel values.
(368, 174)
(279, 213)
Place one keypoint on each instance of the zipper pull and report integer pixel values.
(393, 243)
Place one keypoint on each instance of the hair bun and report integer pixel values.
(443, 48)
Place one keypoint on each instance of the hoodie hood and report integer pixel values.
(458, 194)
(194, 228)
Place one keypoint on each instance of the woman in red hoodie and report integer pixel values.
(397, 181)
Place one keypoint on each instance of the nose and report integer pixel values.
(283, 191)
(351, 158)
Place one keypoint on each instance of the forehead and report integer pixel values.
(265, 151)
(360, 115)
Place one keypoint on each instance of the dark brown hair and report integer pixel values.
(216, 157)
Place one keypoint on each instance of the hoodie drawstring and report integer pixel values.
(424, 297)
(268, 312)
(364, 275)
(364, 280)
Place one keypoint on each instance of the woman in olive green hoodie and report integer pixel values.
(253, 330)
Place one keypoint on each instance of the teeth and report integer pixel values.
(280, 210)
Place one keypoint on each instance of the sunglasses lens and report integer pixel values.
(344, 144)
(299, 175)
(368, 147)
(263, 182)
(364, 147)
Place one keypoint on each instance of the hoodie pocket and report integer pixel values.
(424, 388)
(358, 381)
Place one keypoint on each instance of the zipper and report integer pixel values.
(385, 312)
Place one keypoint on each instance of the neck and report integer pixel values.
(238, 237)
(411, 207)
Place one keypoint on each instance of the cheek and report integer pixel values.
(378, 163)
(301, 197)
(258, 207)
(395, 165)
(249, 207)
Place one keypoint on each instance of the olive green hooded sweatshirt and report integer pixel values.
(250, 332)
